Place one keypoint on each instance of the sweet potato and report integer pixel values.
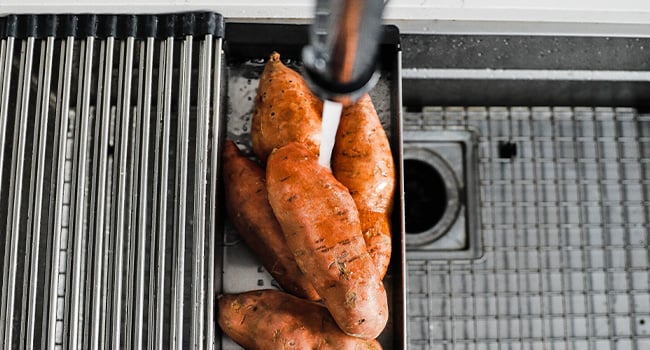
(251, 214)
(321, 224)
(269, 319)
(362, 162)
(285, 110)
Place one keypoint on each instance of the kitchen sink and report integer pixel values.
(527, 162)
(563, 157)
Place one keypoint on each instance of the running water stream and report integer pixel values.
(331, 117)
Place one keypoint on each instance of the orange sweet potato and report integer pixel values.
(321, 224)
(250, 212)
(270, 319)
(285, 110)
(362, 162)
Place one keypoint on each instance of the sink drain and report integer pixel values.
(441, 195)
(431, 196)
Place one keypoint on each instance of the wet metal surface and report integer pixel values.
(106, 169)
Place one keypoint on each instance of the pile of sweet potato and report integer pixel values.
(323, 234)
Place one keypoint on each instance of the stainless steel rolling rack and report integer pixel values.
(107, 130)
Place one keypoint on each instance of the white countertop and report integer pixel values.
(631, 16)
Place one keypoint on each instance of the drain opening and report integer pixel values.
(507, 150)
(431, 198)
(426, 196)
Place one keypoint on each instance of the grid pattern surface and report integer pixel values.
(565, 235)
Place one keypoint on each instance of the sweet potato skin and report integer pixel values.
(270, 319)
(285, 110)
(321, 224)
(251, 214)
(362, 161)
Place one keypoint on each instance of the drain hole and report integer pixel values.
(425, 196)
(507, 149)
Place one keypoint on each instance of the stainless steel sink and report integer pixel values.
(559, 257)
(564, 185)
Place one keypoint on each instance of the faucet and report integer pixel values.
(340, 60)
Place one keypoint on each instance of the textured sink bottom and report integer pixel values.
(564, 218)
